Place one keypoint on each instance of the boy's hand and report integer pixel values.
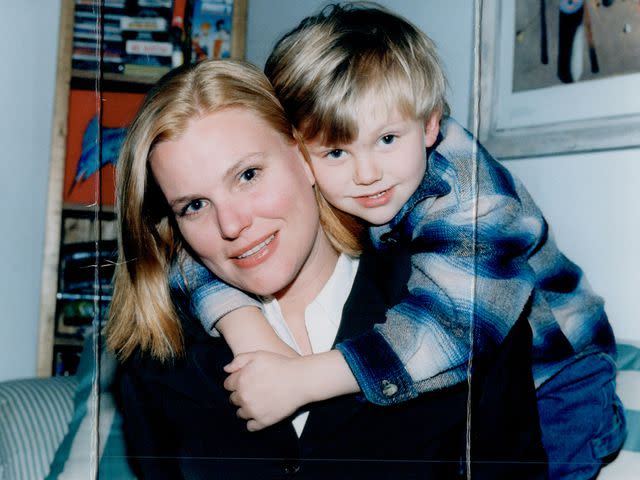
(267, 387)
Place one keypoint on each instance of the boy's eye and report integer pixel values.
(388, 139)
(336, 153)
(248, 175)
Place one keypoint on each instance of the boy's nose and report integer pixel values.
(232, 220)
(366, 171)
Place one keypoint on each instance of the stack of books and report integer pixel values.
(132, 38)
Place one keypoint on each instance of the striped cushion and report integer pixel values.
(34, 417)
(95, 439)
(627, 465)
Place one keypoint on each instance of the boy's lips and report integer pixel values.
(257, 252)
(377, 199)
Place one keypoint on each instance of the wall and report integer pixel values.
(28, 38)
(589, 199)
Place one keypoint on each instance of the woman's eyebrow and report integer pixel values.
(182, 200)
(242, 163)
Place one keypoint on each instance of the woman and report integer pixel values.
(211, 165)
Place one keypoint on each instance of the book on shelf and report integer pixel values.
(145, 71)
(144, 24)
(149, 48)
(155, 3)
(133, 38)
(105, 3)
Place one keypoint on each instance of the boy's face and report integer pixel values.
(374, 176)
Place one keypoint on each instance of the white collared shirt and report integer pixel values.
(322, 316)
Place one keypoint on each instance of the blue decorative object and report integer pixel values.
(109, 146)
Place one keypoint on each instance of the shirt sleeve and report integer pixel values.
(470, 280)
(199, 293)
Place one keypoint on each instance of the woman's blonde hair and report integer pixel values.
(325, 67)
(141, 315)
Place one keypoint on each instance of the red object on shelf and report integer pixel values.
(118, 111)
(179, 7)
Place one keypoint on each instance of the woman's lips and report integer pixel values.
(257, 253)
(376, 200)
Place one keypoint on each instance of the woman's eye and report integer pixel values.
(192, 207)
(388, 139)
(335, 154)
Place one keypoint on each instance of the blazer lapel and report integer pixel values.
(378, 284)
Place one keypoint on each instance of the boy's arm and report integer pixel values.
(470, 267)
(268, 387)
(222, 308)
(247, 330)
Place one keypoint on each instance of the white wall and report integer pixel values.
(589, 199)
(591, 202)
(28, 38)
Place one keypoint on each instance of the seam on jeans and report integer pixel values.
(611, 440)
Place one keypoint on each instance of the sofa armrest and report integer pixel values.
(627, 464)
(34, 417)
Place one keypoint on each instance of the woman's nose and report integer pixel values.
(233, 218)
(366, 171)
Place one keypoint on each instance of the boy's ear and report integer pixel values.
(431, 128)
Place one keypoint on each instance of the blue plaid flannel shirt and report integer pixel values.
(482, 253)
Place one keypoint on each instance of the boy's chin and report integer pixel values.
(377, 218)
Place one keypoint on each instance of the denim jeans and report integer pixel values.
(581, 417)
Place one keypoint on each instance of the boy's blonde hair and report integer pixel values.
(141, 315)
(328, 64)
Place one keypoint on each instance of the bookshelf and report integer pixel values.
(100, 44)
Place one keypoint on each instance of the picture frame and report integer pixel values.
(566, 118)
(231, 16)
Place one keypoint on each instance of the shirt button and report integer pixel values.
(291, 468)
(388, 237)
(389, 389)
(458, 332)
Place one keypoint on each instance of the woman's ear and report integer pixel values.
(306, 163)
(432, 128)
(304, 154)
(309, 172)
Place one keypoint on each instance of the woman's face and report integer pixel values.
(243, 200)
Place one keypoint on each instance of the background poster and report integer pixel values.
(211, 29)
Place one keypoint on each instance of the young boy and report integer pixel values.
(366, 91)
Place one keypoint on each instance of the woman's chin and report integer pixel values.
(267, 285)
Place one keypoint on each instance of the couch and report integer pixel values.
(48, 427)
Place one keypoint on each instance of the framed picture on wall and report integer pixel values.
(558, 76)
(216, 29)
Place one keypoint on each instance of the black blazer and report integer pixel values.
(179, 422)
